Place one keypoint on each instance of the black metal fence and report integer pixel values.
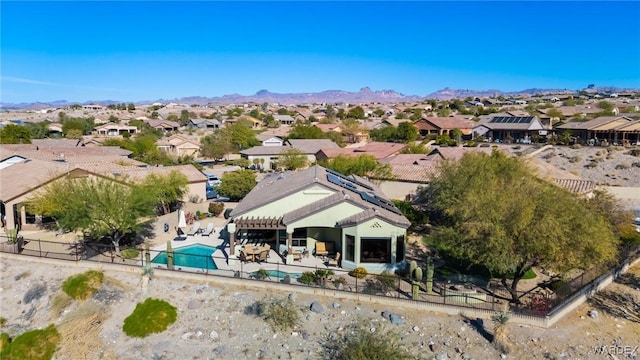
(537, 302)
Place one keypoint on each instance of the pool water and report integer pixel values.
(195, 256)
(281, 274)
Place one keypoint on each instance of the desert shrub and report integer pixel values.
(381, 283)
(549, 156)
(517, 147)
(4, 342)
(623, 166)
(634, 152)
(281, 315)
(636, 164)
(82, 286)
(260, 274)
(150, 316)
(216, 208)
(484, 145)
(358, 342)
(591, 164)
(471, 143)
(599, 153)
(60, 302)
(34, 344)
(575, 159)
(195, 199)
(130, 253)
(576, 146)
(318, 277)
(358, 273)
(339, 281)
(306, 278)
(2, 321)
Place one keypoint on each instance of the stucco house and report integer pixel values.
(25, 168)
(268, 155)
(443, 125)
(295, 210)
(204, 123)
(511, 128)
(614, 129)
(113, 129)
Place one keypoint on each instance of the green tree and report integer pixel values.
(302, 131)
(131, 107)
(38, 130)
(85, 125)
(184, 117)
(15, 134)
(331, 112)
(356, 112)
(74, 134)
(168, 189)
(255, 113)
(362, 165)
(351, 128)
(241, 136)
(414, 148)
(237, 184)
(555, 113)
(618, 215)
(216, 145)
(492, 211)
(104, 208)
(292, 159)
(387, 133)
(407, 132)
(114, 119)
(270, 121)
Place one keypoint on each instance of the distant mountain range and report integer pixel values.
(365, 95)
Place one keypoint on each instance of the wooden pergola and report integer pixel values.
(259, 223)
(254, 223)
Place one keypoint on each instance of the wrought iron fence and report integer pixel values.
(534, 303)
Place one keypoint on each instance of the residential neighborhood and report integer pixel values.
(332, 198)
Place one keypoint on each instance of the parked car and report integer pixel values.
(211, 192)
(213, 180)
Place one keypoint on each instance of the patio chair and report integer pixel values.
(296, 255)
(194, 229)
(262, 257)
(243, 257)
(321, 249)
(335, 261)
(268, 247)
(208, 230)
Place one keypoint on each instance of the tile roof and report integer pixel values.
(597, 123)
(450, 123)
(379, 150)
(22, 177)
(278, 186)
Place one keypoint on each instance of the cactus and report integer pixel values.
(12, 235)
(430, 269)
(169, 255)
(412, 268)
(147, 253)
(418, 274)
(415, 290)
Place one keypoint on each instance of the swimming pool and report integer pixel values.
(195, 256)
(281, 274)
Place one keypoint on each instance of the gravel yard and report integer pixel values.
(216, 322)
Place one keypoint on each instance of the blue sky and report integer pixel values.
(133, 51)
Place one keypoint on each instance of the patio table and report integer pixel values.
(252, 251)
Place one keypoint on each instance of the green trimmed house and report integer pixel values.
(295, 210)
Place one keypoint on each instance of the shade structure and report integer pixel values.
(182, 221)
